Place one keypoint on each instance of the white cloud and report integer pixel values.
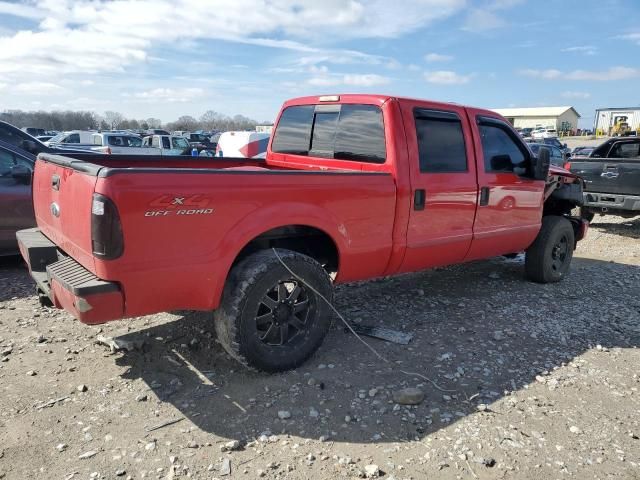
(20, 10)
(365, 80)
(634, 37)
(447, 77)
(611, 74)
(549, 74)
(482, 21)
(351, 79)
(436, 57)
(85, 35)
(584, 49)
(580, 95)
(172, 95)
(38, 88)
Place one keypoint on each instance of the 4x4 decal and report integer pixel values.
(179, 205)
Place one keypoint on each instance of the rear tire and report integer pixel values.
(548, 259)
(269, 320)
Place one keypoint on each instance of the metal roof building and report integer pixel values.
(607, 118)
(560, 118)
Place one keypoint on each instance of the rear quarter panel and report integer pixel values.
(179, 261)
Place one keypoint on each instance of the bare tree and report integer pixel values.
(154, 122)
(113, 119)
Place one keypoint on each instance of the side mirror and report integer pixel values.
(541, 164)
(501, 163)
(30, 146)
(21, 174)
(564, 145)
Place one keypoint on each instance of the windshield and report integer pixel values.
(57, 137)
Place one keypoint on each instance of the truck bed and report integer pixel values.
(609, 175)
(185, 219)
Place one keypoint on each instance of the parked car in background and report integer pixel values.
(156, 131)
(23, 141)
(526, 132)
(200, 140)
(554, 142)
(119, 143)
(557, 156)
(544, 133)
(168, 145)
(34, 132)
(16, 206)
(582, 151)
(77, 139)
(612, 178)
(242, 145)
(20, 139)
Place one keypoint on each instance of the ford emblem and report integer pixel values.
(55, 209)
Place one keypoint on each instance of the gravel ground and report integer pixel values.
(520, 381)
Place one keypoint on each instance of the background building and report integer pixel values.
(264, 128)
(560, 118)
(610, 120)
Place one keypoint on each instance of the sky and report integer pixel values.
(166, 58)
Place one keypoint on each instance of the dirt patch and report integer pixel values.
(530, 381)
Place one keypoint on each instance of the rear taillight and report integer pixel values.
(106, 230)
(567, 166)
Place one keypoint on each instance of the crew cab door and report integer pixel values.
(509, 205)
(443, 183)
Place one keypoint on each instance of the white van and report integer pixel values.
(242, 145)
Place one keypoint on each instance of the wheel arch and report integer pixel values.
(307, 234)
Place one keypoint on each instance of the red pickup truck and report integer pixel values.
(353, 187)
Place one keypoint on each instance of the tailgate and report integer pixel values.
(62, 198)
(609, 176)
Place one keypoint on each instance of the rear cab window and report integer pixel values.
(353, 132)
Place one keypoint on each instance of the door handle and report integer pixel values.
(419, 197)
(484, 196)
(55, 182)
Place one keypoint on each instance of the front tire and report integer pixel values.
(548, 259)
(268, 319)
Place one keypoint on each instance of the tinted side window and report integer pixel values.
(7, 161)
(626, 150)
(556, 157)
(440, 142)
(73, 138)
(501, 153)
(360, 135)
(294, 130)
(165, 142)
